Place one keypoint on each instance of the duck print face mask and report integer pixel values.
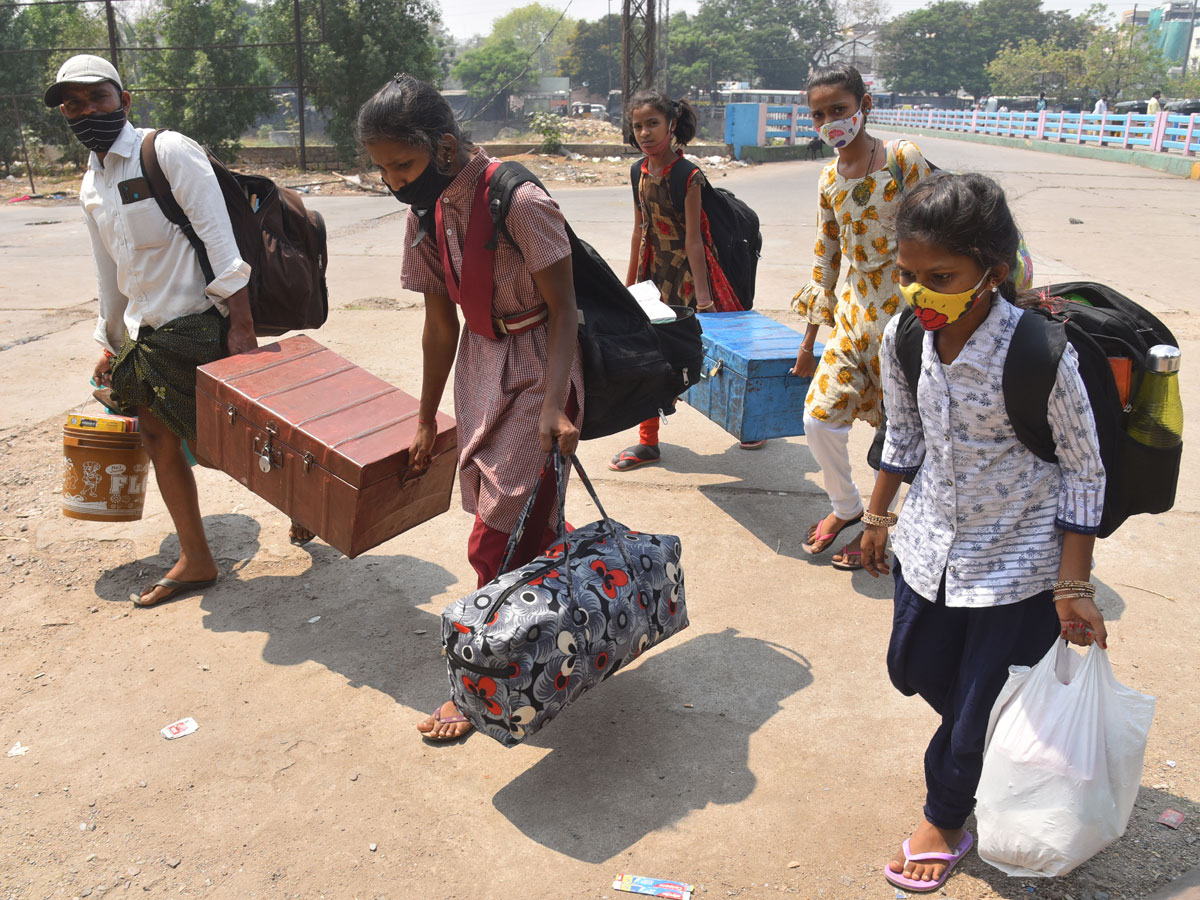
(935, 310)
(840, 132)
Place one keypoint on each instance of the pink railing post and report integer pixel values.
(792, 128)
(1187, 138)
(1041, 126)
(1159, 132)
(1079, 130)
(762, 124)
(974, 120)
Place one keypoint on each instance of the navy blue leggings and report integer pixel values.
(957, 659)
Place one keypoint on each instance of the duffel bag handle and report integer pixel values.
(554, 461)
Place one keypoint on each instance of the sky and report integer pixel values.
(465, 18)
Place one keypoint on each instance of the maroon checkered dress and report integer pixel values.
(498, 385)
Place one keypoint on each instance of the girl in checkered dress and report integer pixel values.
(518, 385)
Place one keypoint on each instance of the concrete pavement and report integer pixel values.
(794, 748)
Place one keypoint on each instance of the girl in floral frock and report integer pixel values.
(669, 247)
(858, 194)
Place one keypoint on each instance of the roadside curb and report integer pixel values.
(1183, 166)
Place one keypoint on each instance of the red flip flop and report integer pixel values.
(635, 457)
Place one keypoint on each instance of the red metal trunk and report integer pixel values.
(322, 440)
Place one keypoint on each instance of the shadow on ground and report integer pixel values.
(630, 759)
(370, 629)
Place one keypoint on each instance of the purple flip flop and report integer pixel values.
(925, 887)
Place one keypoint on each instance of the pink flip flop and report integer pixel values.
(851, 559)
(447, 720)
(818, 537)
(924, 887)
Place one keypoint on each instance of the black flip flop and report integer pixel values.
(178, 589)
(635, 457)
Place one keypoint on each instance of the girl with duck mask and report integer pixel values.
(993, 547)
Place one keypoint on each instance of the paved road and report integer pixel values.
(793, 746)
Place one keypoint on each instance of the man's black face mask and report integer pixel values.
(98, 131)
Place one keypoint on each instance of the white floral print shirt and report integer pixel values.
(983, 510)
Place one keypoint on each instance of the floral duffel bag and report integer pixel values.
(524, 647)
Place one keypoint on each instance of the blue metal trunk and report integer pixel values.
(746, 386)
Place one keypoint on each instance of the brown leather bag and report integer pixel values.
(322, 440)
(283, 242)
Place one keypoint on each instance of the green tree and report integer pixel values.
(950, 44)
(930, 50)
(214, 118)
(1117, 60)
(366, 43)
(527, 27)
(46, 25)
(781, 39)
(700, 58)
(1034, 66)
(496, 69)
(594, 56)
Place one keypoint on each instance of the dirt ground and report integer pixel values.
(761, 752)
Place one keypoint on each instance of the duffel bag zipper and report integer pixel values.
(499, 601)
(524, 582)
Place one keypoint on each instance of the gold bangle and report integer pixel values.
(1086, 587)
(887, 520)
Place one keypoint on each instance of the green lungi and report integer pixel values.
(158, 370)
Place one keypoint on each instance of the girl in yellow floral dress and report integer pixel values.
(857, 201)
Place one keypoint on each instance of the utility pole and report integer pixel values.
(1187, 52)
(608, 48)
(111, 16)
(300, 83)
(666, 25)
(638, 29)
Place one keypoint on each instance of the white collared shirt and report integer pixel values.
(983, 510)
(148, 273)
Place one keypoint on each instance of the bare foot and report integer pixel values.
(183, 571)
(446, 724)
(299, 535)
(927, 839)
(829, 528)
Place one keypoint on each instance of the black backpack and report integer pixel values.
(283, 242)
(1101, 324)
(633, 370)
(733, 225)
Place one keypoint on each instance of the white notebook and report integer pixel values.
(649, 297)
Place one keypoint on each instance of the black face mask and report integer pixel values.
(99, 131)
(422, 193)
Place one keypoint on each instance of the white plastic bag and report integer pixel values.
(1062, 763)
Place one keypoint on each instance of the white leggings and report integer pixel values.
(830, 446)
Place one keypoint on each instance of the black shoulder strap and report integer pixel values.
(1029, 373)
(161, 189)
(635, 179)
(505, 180)
(910, 343)
(677, 182)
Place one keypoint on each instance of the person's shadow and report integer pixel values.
(370, 629)
(631, 758)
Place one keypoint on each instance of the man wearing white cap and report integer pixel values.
(159, 320)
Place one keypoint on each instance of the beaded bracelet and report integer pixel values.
(426, 422)
(887, 520)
